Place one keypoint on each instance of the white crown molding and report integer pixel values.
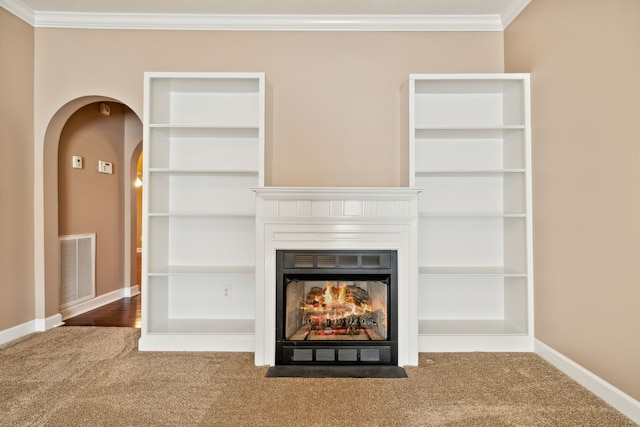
(139, 21)
(269, 22)
(19, 9)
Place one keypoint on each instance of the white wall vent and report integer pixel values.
(77, 269)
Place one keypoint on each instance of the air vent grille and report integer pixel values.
(302, 355)
(348, 355)
(348, 261)
(303, 261)
(370, 355)
(326, 261)
(77, 269)
(339, 260)
(325, 355)
(371, 261)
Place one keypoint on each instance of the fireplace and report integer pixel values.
(336, 307)
(338, 221)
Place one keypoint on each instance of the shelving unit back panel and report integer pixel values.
(230, 149)
(214, 109)
(203, 297)
(459, 103)
(461, 297)
(204, 83)
(461, 110)
(207, 194)
(469, 150)
(205, 101)
(460, 242)
(459, 154)
(460, 193)
(212, 241)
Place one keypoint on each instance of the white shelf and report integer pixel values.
(464, 172)
(205, 327)
(470, 154)
(470, 215)
(499, 271)
(204, 153)
(469, 327)
(426, 133)
(192, 130)
(203, 270)
(211, 214)
(172, 171)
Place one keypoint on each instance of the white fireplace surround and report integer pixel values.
(336, 219)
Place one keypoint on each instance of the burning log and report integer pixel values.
(339, 309)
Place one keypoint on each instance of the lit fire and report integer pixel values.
(338, 309)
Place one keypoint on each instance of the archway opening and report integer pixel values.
(94, 131)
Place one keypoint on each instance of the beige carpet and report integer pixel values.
(92, 376)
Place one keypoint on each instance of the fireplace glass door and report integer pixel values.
(326, 310)
(336, 307)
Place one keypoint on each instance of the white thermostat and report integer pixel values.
(105, 167)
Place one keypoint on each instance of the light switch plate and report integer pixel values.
(76, 162)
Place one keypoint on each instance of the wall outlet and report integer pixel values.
(226, 292)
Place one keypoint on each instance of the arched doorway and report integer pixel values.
(75, 120)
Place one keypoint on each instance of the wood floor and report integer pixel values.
(124, 312)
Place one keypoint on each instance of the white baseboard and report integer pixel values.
(605, 391)
(17, 332)
(54, 321)
(99, 301)
(36, 325)
(131, 291)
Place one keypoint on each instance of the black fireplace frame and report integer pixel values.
(359, 267)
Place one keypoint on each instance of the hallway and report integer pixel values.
(124, 312)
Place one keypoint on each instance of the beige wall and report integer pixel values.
(16, 175)
(335, 111)
(584, 56)
(334, 96)
(336, 116)
(93, 202)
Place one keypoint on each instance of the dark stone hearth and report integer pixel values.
(295, 371)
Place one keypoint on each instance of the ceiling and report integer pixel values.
(152, 13)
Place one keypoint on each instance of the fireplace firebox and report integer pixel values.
(336, 307)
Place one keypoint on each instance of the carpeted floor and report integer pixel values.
(95, 376)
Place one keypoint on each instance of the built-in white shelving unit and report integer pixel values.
(470, 155)
(204, 152)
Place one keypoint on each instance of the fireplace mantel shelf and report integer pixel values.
(323, 192)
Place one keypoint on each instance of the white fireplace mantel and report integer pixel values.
(336, 218)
